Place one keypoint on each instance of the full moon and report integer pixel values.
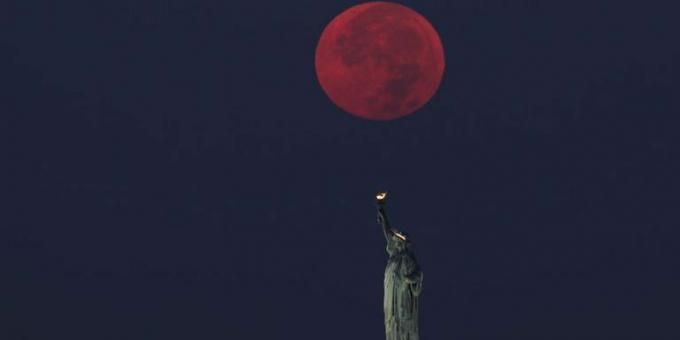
(379, 60)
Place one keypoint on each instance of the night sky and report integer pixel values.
(174, 171)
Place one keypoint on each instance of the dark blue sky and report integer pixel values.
(174, 171)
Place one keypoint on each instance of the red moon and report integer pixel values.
(379, 60)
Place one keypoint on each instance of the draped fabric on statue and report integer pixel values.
(403, 284)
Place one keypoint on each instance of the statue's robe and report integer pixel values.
(403, 284)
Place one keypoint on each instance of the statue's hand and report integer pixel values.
(413, 278)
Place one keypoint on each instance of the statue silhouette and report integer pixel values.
(403, 281)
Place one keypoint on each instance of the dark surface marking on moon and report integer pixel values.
(364, 41)
(398, 88)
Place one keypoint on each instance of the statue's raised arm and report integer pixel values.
(403, 281)
(381, 199)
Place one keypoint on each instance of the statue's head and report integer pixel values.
(399, 243)
(401, 236)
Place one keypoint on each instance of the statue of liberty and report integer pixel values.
(403, 281)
